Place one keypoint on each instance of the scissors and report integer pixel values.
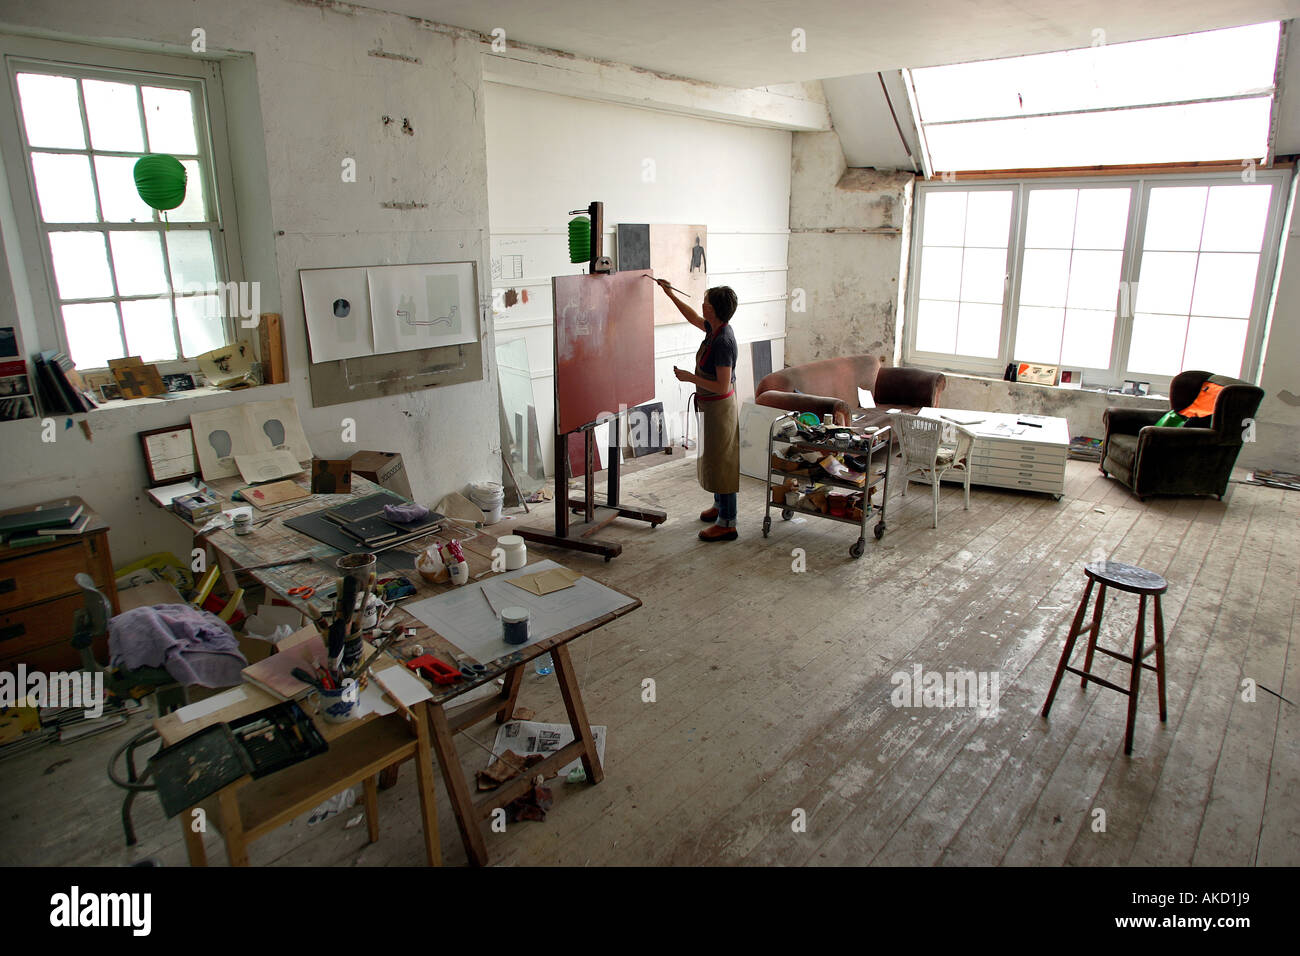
(303, 592)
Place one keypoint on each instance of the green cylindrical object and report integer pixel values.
(580, 239)
(160, 181)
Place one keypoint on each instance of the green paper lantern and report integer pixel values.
(160, 181)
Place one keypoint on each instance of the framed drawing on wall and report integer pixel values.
(169, 454)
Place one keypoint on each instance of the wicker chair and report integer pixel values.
(931, 449)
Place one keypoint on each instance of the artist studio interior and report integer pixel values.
(461, 433)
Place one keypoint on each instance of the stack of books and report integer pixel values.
(43, 525)
(60, 386)
(1083, 448)
(364, 520)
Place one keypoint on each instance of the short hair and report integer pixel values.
(724, 301)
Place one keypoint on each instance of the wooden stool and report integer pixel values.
(1121, 577)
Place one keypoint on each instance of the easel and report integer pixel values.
(595, 514)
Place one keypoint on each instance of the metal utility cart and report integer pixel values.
(862, 443)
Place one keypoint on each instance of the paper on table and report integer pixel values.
(544, 582)
(463, 618)
(168, 493)
(275, 493)
(408, 688)
(337, 305)
(373, 700)
(267, 466)
(211, 705)
(864, 399)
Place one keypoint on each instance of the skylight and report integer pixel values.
(1196, 98)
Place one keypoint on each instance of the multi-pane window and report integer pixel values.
(1070, 274)
(1200, 260)
(126, 280)
(963, 271)
(1135, 279)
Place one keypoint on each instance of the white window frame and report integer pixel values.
(203, 78)
(1130, 270)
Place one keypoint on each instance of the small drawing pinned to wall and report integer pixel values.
(342, 307)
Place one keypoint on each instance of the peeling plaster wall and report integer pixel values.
(315, 92)
(849, 236)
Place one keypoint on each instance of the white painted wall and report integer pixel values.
(550, 154)
(309, 96)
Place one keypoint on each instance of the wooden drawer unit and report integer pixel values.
(39, 595)
(1007, 453)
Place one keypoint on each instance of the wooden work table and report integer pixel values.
(358, 752)
(273, 541)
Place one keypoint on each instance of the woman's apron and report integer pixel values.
(718, 465)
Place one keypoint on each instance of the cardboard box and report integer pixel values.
(197, 507)
(384, 468)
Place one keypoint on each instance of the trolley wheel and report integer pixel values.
(786, 514)
(767, 526)
(858, 548)
(880, 530)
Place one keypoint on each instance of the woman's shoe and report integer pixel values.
(710, 516)
(719, 533)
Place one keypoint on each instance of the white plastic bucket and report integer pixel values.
(489, 496)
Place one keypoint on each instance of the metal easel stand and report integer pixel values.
(596, 515)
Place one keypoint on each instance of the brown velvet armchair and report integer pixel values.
(1193, 459)
(831, 385)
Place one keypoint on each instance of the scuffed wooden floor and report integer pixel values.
(772, 696)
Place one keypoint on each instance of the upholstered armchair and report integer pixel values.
(831, 386)
(1193, 459)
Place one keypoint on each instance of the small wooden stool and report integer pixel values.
(1121, 577)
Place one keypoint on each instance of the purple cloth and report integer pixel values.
(194, 646)
(406, 513)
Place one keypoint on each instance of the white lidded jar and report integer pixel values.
(516, 551)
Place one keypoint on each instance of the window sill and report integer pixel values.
(191, 400)
(1087, 394)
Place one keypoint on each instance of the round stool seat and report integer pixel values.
(1126, 577)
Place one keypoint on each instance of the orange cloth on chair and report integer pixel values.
(1203, 407)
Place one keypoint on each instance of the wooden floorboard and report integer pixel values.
(772, 738)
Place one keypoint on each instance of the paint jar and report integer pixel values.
(828, 419)
(339, 705)
(489, 496)
(514, 625)
(243, 523)
(359, 567)
(459, 572)
(516, 551)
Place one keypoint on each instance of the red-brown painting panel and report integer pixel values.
(604, 345)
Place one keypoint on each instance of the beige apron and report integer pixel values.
(718, 464)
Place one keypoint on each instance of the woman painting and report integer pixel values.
(718, 464)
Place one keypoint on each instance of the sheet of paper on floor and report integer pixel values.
(526, 737)
(463, 617)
